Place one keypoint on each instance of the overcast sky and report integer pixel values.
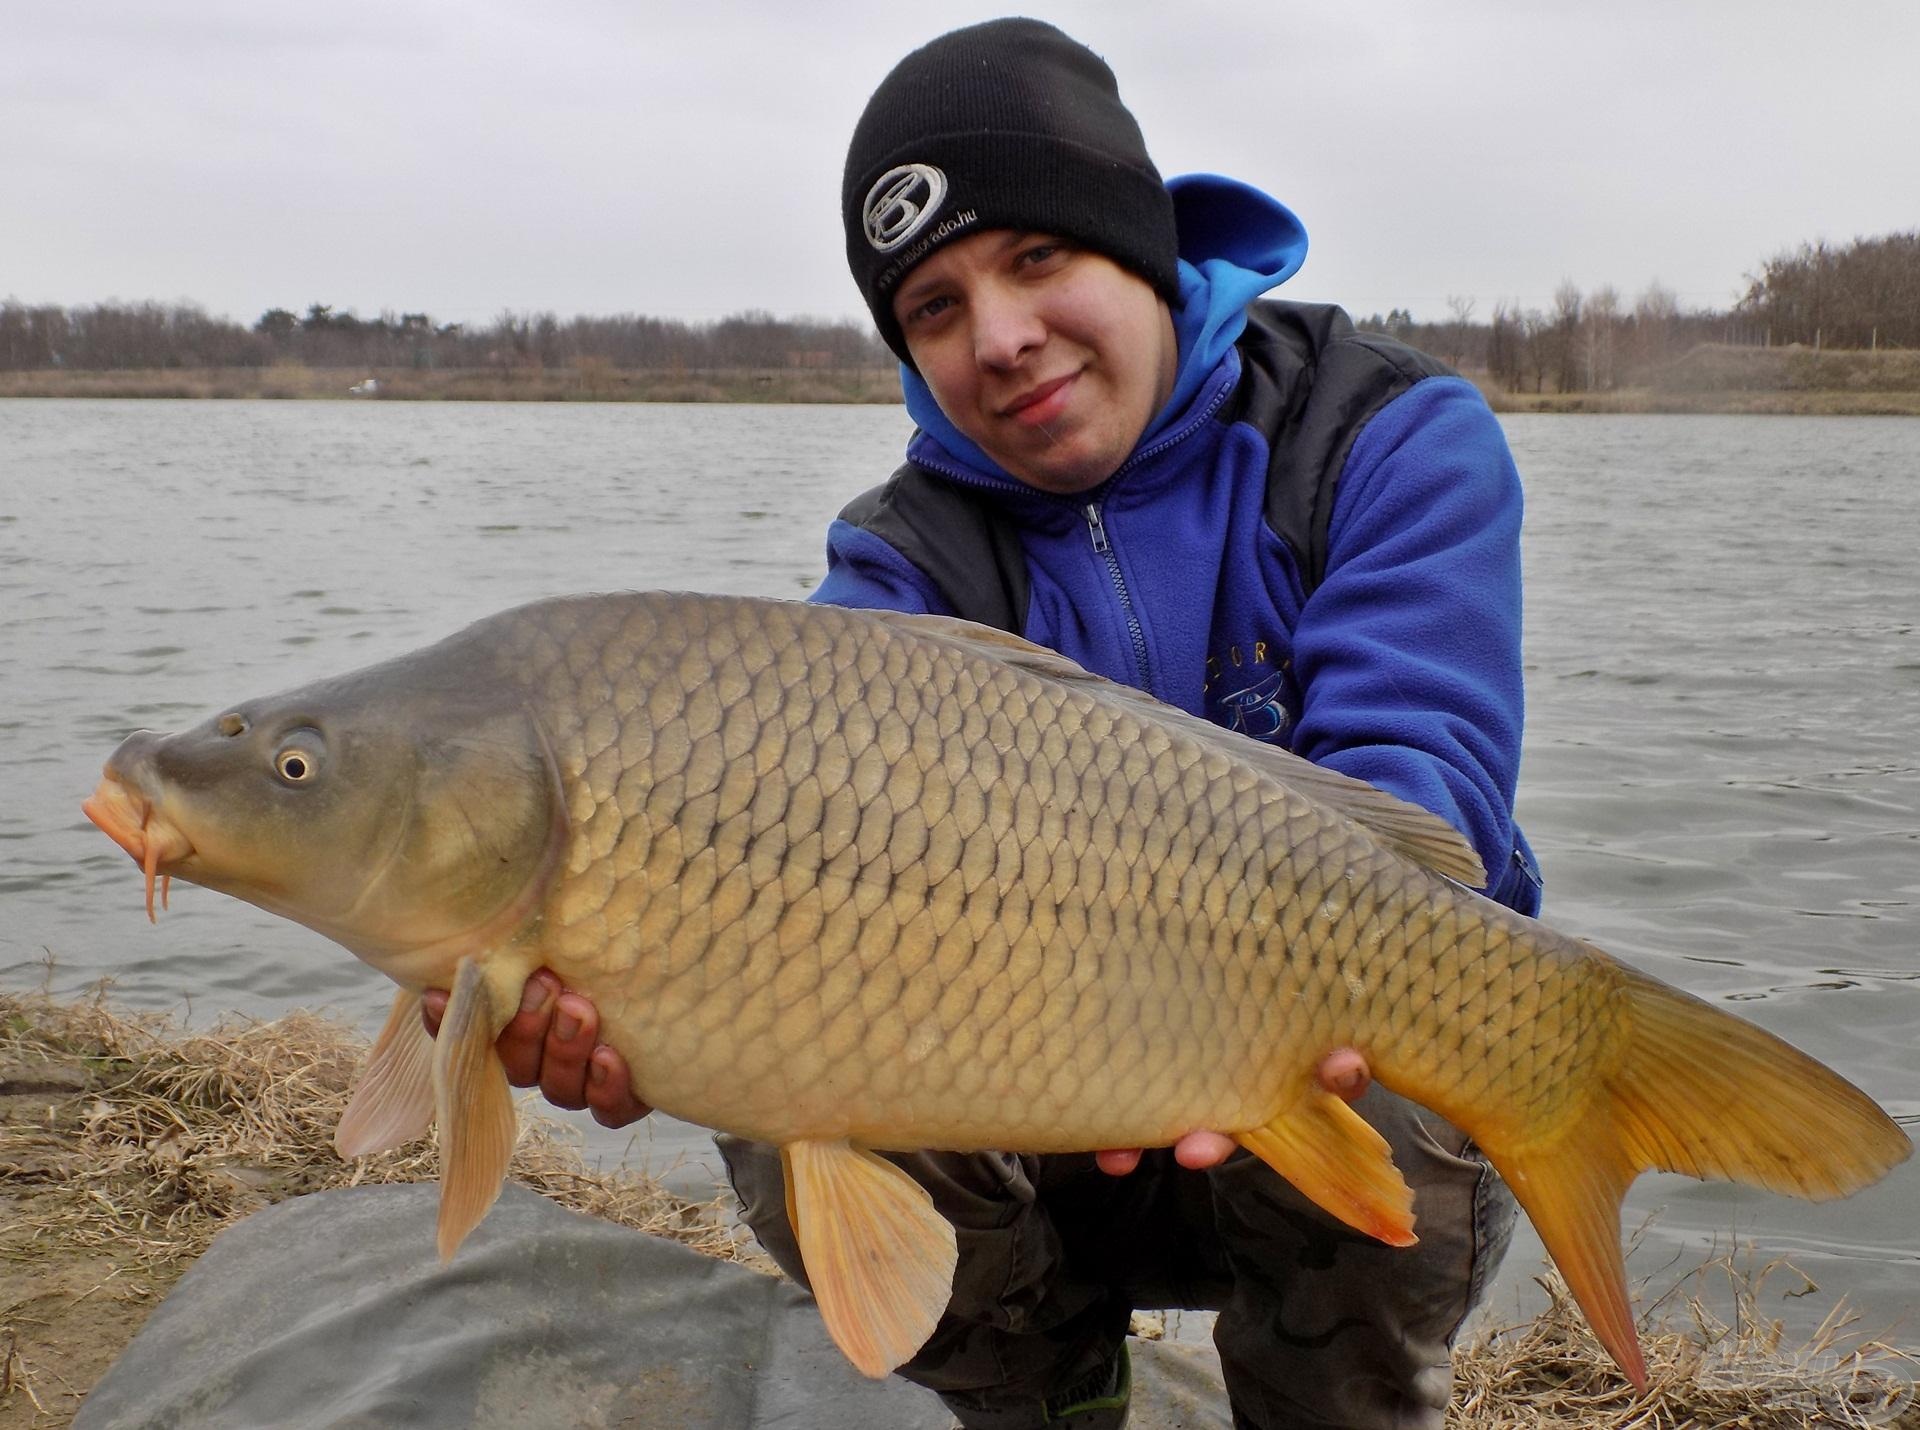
(683, 159)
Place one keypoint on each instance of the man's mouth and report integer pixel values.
(129, 819)
(1040, 405)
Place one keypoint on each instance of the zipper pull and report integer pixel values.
(1098, 527)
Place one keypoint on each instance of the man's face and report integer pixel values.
(1052, 358)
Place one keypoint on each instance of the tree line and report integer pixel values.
(126, 336)
(1865, 294)
(1585, 342)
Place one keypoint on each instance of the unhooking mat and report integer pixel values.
(333, 1311)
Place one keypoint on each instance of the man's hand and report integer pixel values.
(551, 1043)
(1342, 1072)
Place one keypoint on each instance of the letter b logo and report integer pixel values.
(900, 203)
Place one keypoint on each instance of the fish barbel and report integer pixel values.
(843, 881)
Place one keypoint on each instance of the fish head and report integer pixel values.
(411, 819)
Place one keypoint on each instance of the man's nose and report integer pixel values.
(1005, 328)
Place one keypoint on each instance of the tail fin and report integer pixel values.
(1694, 1090)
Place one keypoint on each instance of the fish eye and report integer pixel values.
(295, 765)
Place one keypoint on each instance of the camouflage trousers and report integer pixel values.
(1319, 1325)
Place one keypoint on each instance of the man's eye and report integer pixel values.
(1039, 253)
(932, 308)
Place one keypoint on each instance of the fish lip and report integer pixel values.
(121, 812)
(131, 820)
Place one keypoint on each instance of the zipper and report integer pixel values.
(1097, 529)
(1102, 547)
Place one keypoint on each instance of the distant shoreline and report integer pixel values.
(580, 383)
(1817, 402)
(1707, 379)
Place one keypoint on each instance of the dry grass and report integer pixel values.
(179, 1133)
(1767, 402)
(1715, 1360)
(126, 1143)
(1716, 367)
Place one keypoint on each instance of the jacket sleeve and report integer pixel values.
(865, 572)
(1407, 655)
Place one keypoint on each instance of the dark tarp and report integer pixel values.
(333, 1310)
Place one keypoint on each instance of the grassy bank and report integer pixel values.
(586, 381)
(1708, 378)
(1814, 403)
(126, 1143)
(1715, 378)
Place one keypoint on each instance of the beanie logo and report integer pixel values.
(901, 202)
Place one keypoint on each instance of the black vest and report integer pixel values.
(1308, 382)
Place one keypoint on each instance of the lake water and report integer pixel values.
(1722, 770)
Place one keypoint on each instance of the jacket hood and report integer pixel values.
(1235, 244)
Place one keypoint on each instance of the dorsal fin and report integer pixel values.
(1410, 831)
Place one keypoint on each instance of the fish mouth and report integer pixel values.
(130, 820)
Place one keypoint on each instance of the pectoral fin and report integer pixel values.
(474, 1106)
(879, 1256)
(1334, 1157)
(394, 1102)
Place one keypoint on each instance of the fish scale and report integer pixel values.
(843, 880)
(865, 744)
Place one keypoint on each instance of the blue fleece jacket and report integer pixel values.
(1401, 668)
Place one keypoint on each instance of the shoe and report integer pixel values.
(1098, 1403)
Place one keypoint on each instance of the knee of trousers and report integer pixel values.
(1463, 1217)
(1328, 1327)
(760, 1184)
(1463, 1212)
(1461, 1205)
(1009, 1252)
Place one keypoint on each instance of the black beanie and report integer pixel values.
(1005, 125)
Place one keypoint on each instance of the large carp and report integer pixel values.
(843, 880)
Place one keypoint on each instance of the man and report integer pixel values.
(1258, 515)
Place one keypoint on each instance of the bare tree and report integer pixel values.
(1602, 322)
(1655, 323)
(1459, 329)
(1564, 327)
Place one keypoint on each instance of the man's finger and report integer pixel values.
(1117, 1162)
(570, 1041)
(522, 1043)
(610, 1089)
(1344, 1073)
(1200, 1150)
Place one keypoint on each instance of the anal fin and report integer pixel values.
(394, 1102)
(878, 1255)
(1336, 1159)
(473, 1104)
